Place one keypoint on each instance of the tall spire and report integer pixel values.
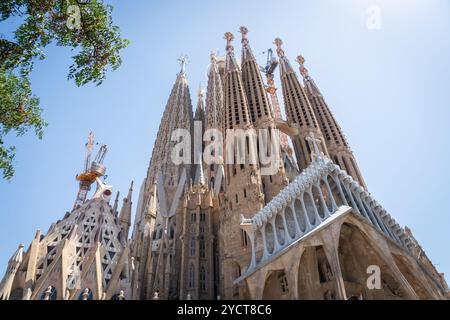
(13, 265)
(214, 113)
(337, 145)
(200, 111)
(262, 118)
(254, 87)
(243, 187)
(214, 96)
(234, 91)
(116, 203)
(272, 91)
(125, 212)
(285, 65)
(298, 109)
(177, 114)
(230, 61)
(247, 53)
(307, 80)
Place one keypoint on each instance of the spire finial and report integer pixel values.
(131, 185)
(17, 256)
(183, 61)
(229, 37)
(243, 30)
(116, 203)
(278, 42)
(303, 70)
(200, 91)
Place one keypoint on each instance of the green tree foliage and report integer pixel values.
(85, 26)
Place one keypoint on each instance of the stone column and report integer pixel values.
(255, 284)
(330, 238)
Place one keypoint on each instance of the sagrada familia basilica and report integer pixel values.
(309, 229)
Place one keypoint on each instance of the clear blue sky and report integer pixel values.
(388, 88)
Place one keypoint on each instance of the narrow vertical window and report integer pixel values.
(244, 238)
(202, 248)
(202, 279)
(192, 246)
(191, 283)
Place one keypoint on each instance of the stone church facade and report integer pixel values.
(306, 228)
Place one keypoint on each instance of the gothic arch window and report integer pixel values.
(245, 193)
(171, 231)
(202, 247)
(244, 239)
(247, 144)
(160, 231)
(202, 279)
(192, 246)
(237, 274)
(191, 276)
(50, 293)
(86, 294)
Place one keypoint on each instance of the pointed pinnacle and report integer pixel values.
(278, 42)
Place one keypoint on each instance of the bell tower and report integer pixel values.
(337, 145)
(271, 164)
(299, 112)
(243, 186)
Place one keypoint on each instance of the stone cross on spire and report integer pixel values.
(229, 37)
(183, 61)
(278, 42)
(243, 30)
(303, 70)
(315, 144)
